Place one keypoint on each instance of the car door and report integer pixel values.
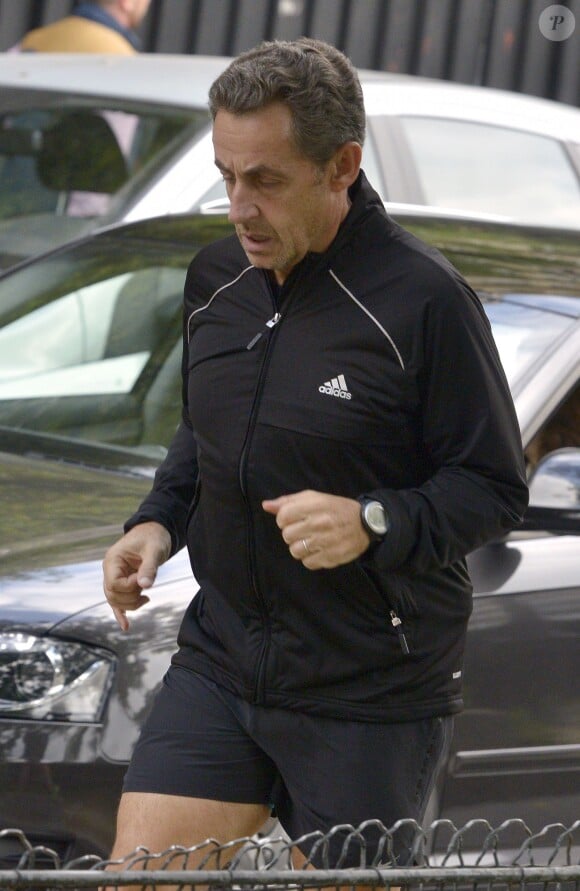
(517, 745)
(516, 751)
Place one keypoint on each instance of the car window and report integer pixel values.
(90, 343)
(491, 169)
(63, 161)
(523, 334)
(95, 340)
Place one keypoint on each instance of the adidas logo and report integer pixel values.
(335, 387)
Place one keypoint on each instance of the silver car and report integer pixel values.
(86, 140)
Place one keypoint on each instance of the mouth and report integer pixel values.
(254, 241)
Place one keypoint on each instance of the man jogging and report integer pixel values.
(347, 438)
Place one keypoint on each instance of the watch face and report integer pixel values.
(376, 518)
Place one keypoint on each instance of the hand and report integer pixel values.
(321, 530)
(131, 565)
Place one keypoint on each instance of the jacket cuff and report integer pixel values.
(396, 545)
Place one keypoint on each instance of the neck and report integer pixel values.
(118, 13)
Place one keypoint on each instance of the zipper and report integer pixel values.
(269, 324)
(395, 619)
(261, 666)
(398, 626)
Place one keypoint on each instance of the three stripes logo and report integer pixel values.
(336, 387)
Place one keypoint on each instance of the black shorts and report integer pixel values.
(202, 741)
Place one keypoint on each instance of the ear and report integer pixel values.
(345, 166)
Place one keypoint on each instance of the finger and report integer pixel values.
(310, 561)
(129, 583)
(129, 600)
(130, 572)
(297, 551)
(273, 505)
(121, 618)
(295, 532)
(119, 580)
(291, 512)
(299, 501)
(120, 612)
(120, 591)
(146, 575)
(301, 549)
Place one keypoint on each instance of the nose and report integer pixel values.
(243, 207)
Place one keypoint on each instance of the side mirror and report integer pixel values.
(555, 494)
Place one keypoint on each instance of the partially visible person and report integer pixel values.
(101, 26)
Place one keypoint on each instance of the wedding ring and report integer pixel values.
(305, 545)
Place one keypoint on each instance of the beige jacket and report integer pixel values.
(75, 34)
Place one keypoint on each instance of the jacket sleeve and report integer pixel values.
(477, 491)
(170, 499)
(173, 489)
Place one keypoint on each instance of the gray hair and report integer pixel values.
(313, 79)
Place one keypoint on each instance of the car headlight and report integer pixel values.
(47, 679)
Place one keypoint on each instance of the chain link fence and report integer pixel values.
(475, 856)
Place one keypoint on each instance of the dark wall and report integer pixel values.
(492, 42)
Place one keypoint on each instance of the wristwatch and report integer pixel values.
(374, 518)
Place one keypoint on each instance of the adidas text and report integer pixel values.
(336, 387)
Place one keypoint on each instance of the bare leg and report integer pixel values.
(159, 821)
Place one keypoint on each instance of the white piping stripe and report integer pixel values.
(215, 293)
(371, 317)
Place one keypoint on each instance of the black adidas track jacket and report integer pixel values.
(372, 371)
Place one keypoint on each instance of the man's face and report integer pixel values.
(281, 202)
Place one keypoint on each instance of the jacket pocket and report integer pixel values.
(400, 605)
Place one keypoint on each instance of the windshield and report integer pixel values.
(65, 165)
(523, 334)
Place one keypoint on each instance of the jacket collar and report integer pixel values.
(364, 201)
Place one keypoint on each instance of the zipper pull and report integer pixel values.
(254, 341)
(398, 626)
(269, 324)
